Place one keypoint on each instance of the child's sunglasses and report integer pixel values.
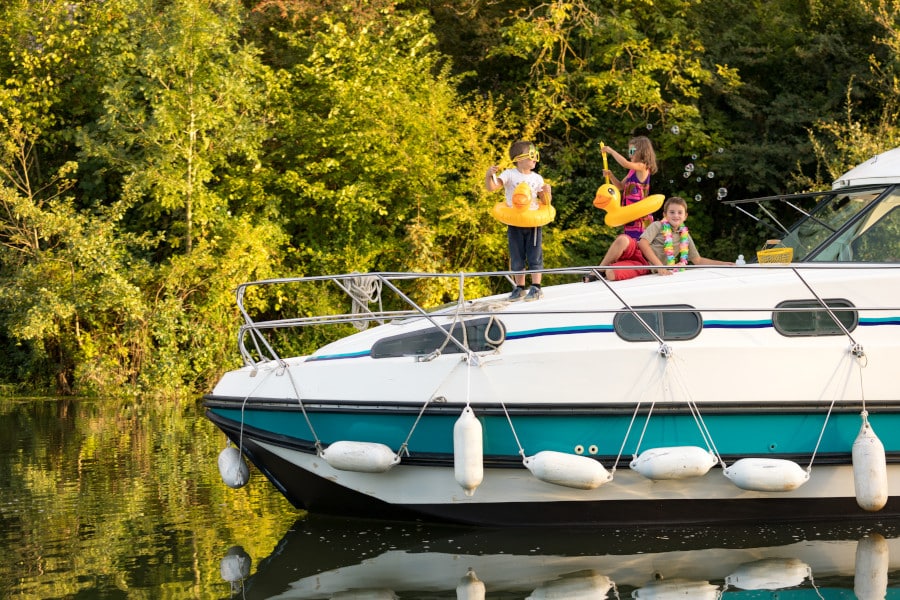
(532, 153)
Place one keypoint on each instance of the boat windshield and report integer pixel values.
(827, 219)
(875, 237)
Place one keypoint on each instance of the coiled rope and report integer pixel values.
(364, 290)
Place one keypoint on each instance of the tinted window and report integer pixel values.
(826, 219)
(480, 334)
(816, 321)
(875, 237)
(673, 322)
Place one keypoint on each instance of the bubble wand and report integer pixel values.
(608, 197)
(605, 165)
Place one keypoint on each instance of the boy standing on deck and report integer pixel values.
(525, 243)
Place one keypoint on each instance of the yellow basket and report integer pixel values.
(775, 255)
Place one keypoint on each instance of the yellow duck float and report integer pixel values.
(520, 214)
(609, 198)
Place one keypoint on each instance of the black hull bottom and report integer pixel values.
(321, 496)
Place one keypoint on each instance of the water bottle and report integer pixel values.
(740, 261)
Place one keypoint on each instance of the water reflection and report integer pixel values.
(112, 499)
(322, 558)
(100, 499)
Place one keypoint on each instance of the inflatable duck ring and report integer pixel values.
(608, 199)
(520, 214)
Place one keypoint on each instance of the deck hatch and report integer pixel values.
(481, 335)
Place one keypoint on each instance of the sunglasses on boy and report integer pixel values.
(532, 153)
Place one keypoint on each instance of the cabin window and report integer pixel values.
(793, 321)
(481, 335)
(670, 322)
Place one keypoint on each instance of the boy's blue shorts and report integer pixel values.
(525, 247)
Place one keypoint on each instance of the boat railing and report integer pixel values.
(255, 337)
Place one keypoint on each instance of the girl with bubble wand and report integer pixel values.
(641, 164)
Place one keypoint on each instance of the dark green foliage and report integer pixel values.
(156, 154)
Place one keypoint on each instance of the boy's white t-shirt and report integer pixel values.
(513, 177)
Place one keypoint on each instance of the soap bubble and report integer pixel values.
(722, 193)
(693, 157)
(698, 198)
(699, 179)
(675, 130)
(689, 167)
(649, 126)
(671, 181)
(721, 150)
(687, 174)
(710, 174)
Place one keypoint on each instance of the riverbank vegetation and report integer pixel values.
(156, 153)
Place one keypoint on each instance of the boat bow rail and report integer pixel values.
(390, 298)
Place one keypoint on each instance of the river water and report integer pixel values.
(100, 499)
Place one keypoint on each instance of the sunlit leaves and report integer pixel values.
(378, 142)
(185, 103)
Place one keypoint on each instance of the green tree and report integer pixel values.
(95, 291)
(185, 116)
(864, 130)
(55, 259)
(796, 62)
(153, 156)
(181, 103)
(380, 162)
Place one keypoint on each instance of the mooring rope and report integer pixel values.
(695, 412)
(243, 405)
(309, 424)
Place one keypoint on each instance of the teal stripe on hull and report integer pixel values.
(732, 434)
(529, 333)
(608, 328)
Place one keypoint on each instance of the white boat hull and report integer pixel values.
(763, 371)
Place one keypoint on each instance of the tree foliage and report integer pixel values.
(155, 154)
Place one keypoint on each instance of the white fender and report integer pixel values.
(468, 451)
(470, 587)
(869, 469)
(677, 589)
(364, 457)
(570, 470)
(588, 587)
(766, 474)
(676, 462)
(235, 565)
(232, 467)
(769, 574)
(870, 580)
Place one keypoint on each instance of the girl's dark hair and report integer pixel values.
(643, 152)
